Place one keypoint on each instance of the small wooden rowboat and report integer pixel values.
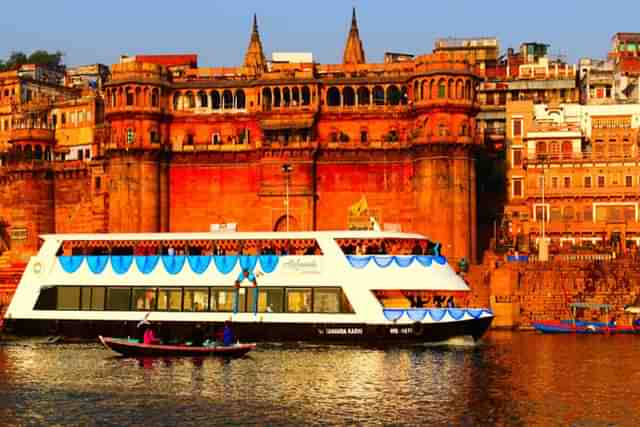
(135, 349)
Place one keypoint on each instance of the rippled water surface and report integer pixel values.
(509, 379)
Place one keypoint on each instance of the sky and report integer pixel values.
(218, 31)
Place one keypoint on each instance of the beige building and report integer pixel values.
(574, 174)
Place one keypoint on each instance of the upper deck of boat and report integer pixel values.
(237, 235)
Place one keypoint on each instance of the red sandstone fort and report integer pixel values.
(174, 147)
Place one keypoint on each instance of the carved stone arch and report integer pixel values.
(459, 89)
(333, 97)
(364, 97)
(348, 96)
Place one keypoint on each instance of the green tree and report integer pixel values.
(39, 57)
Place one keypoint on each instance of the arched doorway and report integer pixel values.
(281, 224)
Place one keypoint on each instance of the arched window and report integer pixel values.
(215, 100)
(114, 98)
(176, 101)
(295, 96)
(451, 89)
(459, 89)
(129, 96)
(442, 89)
(424, 91)
(266, 98)
(63, 119)
(364, 97)
(467, 90)
(28, 154)
(191, 100)
(155, 98)
(416, 90)
(286, 97)
(54, 121)
(378, 95)
(306, 95)
(227, 100)
(333, 97)
(38, 153)
(145, 97)
(189, 139)
(393, 95)
(567, 147)
(203, 99)
(240, 99)
(138, 99)
(349, 96)
(276, 97)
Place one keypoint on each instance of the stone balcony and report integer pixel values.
(541, 160)
(32, 135)
(605, 192)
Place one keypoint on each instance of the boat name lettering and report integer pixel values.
(302, 265)
(343, 331)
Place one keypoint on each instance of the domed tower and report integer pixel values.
(443, 95)
(26, 178)
(136, 102)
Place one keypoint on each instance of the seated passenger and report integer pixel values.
(450, 302)
(150, 336)
(197, 337)
(227, 334)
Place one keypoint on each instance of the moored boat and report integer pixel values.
(569, 327)
(574, 326)
(330, 286)
(130, 348)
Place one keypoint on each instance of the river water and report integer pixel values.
(519, 378)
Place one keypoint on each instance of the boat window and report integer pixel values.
(196, 299)
(299, 300)
(242, 299)
(47, 299)
(169, 299)
(85, 299)
(97, 298)
(345, 305)
(118, 299)
(68, 298)
(326, 300)
(92, 298)
(270, 300)
(222, 299)
(387, 246)
(144, 299)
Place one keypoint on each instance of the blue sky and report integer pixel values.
(218, 31)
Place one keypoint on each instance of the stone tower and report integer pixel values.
(27, 180)
(353, 51)
(443, 143)
(135, 152)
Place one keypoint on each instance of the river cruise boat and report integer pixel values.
(326, 286)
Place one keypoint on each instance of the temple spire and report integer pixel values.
(353, 51)
(254, 58)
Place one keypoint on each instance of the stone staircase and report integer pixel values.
(11, 271)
